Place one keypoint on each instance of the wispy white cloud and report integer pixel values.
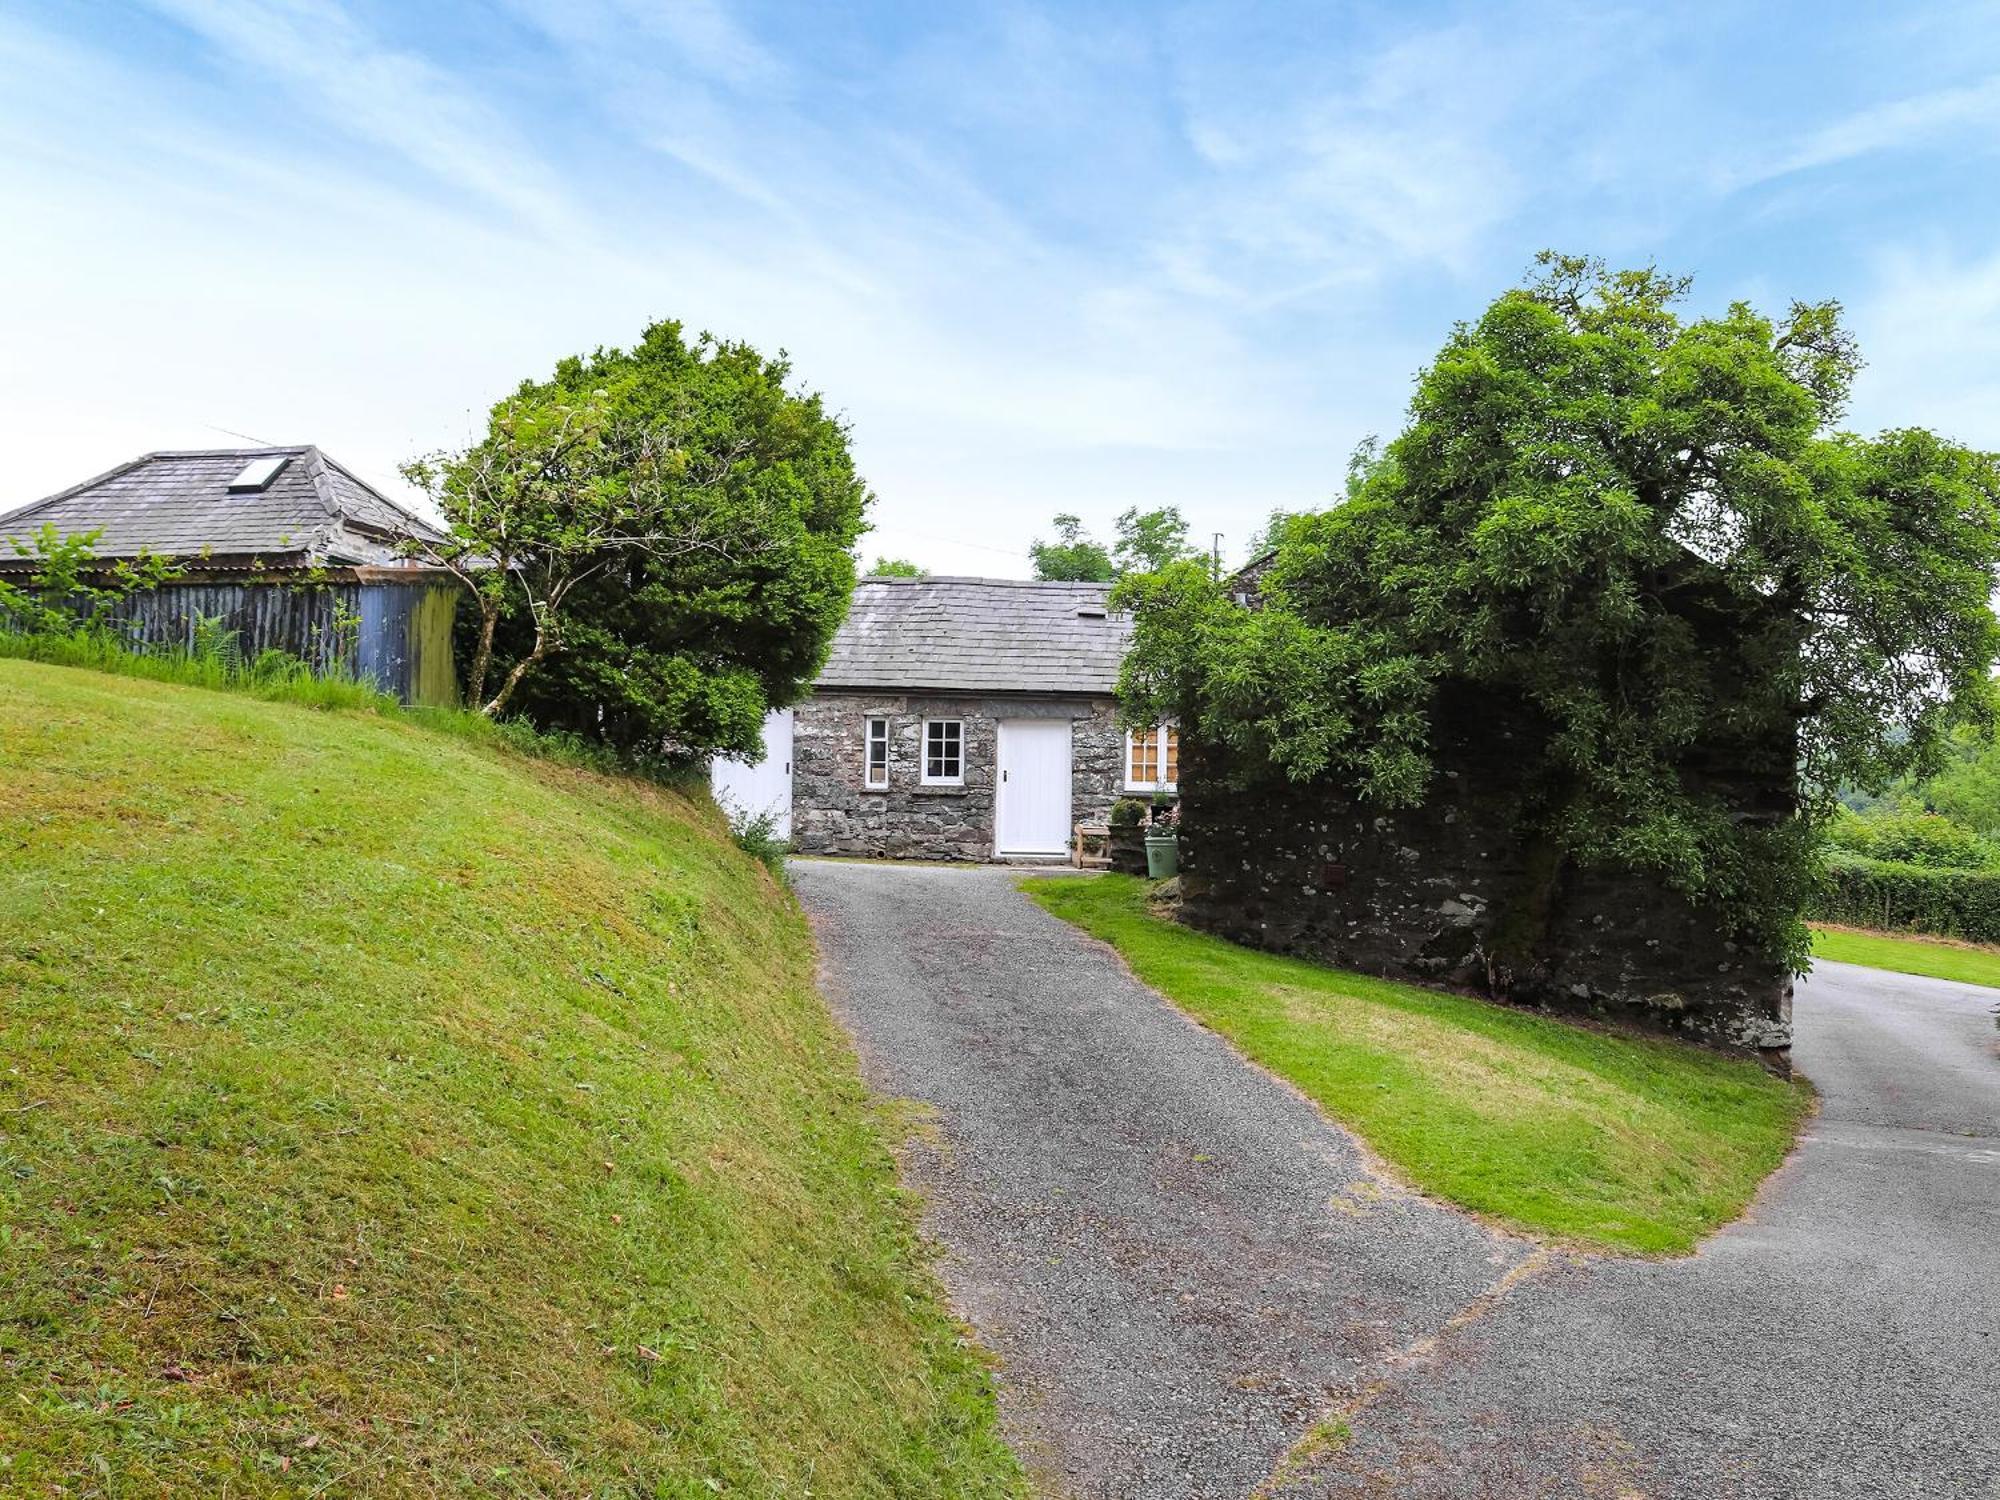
(1917, 120)
(1043, 257)
(1411, 154)
(389, 97)
(1930, 328)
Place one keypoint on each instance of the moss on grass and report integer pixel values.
(1632, 1143)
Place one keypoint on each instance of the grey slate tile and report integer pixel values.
(179, 505)
(993, 635)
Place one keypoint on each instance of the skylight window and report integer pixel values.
(258, 474)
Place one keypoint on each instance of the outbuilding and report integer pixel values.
(276, 548)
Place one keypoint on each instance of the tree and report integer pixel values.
(1072, 556)
(895, 567)
(1648, 533)
(1149, 540)
(679, 650)
(1266, 537)
(557, 493)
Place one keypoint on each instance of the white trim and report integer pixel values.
(869, 740)
(924, 753)
(1159, 734)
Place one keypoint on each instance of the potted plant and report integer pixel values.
(1163, 849)
(1128, 836)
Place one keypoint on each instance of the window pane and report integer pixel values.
(943, 739)
(877, 759)
(1143, 761)
(1173, 758)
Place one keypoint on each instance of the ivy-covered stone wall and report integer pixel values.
(1440, 893)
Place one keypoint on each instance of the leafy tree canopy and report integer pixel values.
(1646, 530)
(1143, 542)
(1073, 557)
(1148, 540)
(895, 567)
(679, 649)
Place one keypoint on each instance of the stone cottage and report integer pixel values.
(959, 719)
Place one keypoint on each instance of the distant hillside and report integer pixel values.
(383, 1115)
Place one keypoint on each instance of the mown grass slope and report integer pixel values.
(1936, 958)
(383, 1115)
(1630, 1142)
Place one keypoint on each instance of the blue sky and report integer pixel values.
(1058, 257)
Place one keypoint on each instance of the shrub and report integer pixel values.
(1127, 812)
(1897, 897)
(756, 834)
(1909, 837)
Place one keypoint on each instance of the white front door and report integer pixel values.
(752, 791)
(1032, 811)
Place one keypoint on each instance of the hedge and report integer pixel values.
(1893, 897)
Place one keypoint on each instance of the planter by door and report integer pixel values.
(1031, 815)
(1128, 848)
(1163, 855)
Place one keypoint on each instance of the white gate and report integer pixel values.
(765, 787)
(1031, 815)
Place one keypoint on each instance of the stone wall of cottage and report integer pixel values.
(1429, 894)
(834, 813)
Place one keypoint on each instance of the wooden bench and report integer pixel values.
(1093, 846)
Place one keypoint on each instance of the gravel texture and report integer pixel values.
(1182, 1266)
(1179, 1263)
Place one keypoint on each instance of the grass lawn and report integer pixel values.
(1937, 958)
(1626, 1142)
(384, 1114)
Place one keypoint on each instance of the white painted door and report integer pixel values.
(765, 787)
(1032, 814)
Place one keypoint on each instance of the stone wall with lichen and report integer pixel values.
(834, 813)
(1444, 893)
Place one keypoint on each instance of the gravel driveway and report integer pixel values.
(1182, 1266)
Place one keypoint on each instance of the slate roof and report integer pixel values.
(315, 513)
(983, 635)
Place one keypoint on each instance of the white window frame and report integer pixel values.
(1158, 734)
(869, 740)
(924, 765)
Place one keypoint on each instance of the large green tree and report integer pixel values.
(1147, 540)
(678, 650)
(1648, 532)
(1073, 557)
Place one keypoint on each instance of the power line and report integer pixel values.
(232, 432)
(952, 541)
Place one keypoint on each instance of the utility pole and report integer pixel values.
(1215, 565)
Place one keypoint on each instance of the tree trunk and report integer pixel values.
(521, 667)
(482, 658)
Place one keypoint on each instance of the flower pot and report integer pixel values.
(1163, 855)
(1128, 848)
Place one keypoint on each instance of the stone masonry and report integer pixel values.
(1428, 894)
(834, 813)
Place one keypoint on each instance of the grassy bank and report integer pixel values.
(1626, 1142)
(1935, 958)
(382, 1114)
